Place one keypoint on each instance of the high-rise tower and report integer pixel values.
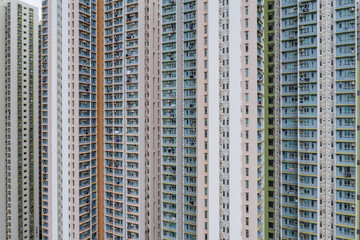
(100, 119)
(237, 124)
(319, 190)
(184, 119)
(129, 98)
(19, 126)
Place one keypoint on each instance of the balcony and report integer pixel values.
(344, 232)
(307, 227)
(346, 196)
(289, 212)
(346, 74)
(289, 178)
(345, 14)
(307, 193)
(191, 6)
(169, 19)
(345, 159)
(308, 18)
(289, 112)
(345, 184)
(345, 172)
(171, 9)
(306, 42)
(308, 216)
(308, 204)
(289, 12)
(345, 3)
(345, 111)
(308, 181)
(286, 3)
(345, 208)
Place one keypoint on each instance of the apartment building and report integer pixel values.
(225, 92)
(156, 124)
(237, 121)
(272, 122)
(318, 123)
(131, 118)
(19, 127)
(184, 119)
(100, 119)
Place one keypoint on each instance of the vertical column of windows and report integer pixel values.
(8, 118)
(269, 119)
(44, 114)
(114, 119)
(289, 118)
(224, 117)
(345, 88)
(132, 121)
(190, 112)
(169, 121)
(308, 110)
(86, 107)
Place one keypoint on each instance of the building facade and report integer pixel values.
(184, 119)
(272, 122)
(131, 118)
(19, 134)
(237, 122)
(101, 123)
(319, 190)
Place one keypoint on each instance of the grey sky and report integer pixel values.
(36, 3)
